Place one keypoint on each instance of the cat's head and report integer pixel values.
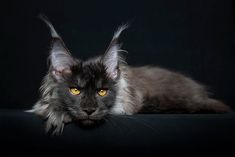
(85, 90)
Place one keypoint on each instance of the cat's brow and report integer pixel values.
(100, 84)
(80, 83)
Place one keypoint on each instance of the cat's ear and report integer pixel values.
(111, 58)
(60, 58)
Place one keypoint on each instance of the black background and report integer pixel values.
(193, 37)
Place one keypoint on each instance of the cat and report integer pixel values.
(88, 91)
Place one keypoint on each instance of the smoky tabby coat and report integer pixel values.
(129, 90)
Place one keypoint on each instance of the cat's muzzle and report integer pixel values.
(90, 118)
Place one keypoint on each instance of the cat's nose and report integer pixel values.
(89, 111)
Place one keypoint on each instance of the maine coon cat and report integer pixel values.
(88, 91)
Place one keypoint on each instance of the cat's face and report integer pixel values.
(84, 91)
(88, 92)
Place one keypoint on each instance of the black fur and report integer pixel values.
(130, 90)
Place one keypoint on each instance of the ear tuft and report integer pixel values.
(45, 19)
(119, 31)
(112, 57)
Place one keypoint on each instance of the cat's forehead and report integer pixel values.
(91, 72)
(93, 68)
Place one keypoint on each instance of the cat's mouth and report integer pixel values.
(88, 122)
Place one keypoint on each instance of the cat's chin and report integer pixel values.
(89, 123)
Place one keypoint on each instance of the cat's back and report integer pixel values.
(153, 80)
(161, 90)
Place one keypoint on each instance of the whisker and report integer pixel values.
(143, 123)
(122, 122)
(112, 122)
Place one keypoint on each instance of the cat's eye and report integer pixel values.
(74, 91)
(102, 92)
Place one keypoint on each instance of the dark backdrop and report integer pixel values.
(193, 37)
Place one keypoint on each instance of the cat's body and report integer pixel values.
(88, 91)
(150, 89)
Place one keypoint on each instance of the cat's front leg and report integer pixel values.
(55, 118)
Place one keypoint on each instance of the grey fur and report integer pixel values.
(131, 89)
(155, 90)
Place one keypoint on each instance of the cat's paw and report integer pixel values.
(55, 122)
(55, 118)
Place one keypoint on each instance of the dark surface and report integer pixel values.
(153, 134)
(195, 37)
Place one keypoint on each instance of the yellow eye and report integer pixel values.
(102, 92)
(74, 91)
